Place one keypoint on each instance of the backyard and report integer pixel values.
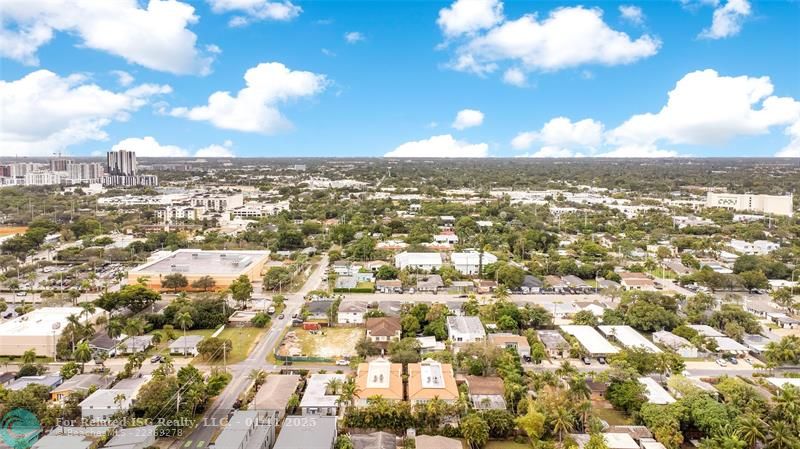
(327, 342)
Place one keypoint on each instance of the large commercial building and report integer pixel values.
(38, 330)
(222, 266)
(121, 163)
(767, 204)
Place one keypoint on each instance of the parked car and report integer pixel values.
(281, 316)
(602, 360)
(587, 361)
(721, 362)
(156, 358)
(733, 360)
(342, 362)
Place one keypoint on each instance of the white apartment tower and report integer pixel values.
(121, 163)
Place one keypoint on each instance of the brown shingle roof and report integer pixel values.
(386, 326)
(485, 385)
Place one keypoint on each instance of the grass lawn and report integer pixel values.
(366, 284)
(506, 445)
(609, 415)
(242, 338)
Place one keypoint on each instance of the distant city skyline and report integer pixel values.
(465, 78)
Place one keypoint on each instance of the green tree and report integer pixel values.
(82, 354)
(29, 356)
(174, 282)
(752, 280)
(277, 277)
(69, 370)
(475, 431)
(532, 423)
(204, 283)
(241, 289)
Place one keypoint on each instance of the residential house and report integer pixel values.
(319, 398)
(486, 393)
(465, 329)
(384, 329)
(418, 261)
(374, 440)
(78, 383)
(431, 379)
(132, 438)
(341, 267)
(448, 238)
(429, 344)
(461, 287)
(436, 442)
(676, 343)
(469, 263)
(379, 377)
(351, 312)
(247, 429)
(655, 393)
(636, 281)
(757, 248)
(137, 343)
(389, 286)
(517, 342)
(276, 392)
(530, 285)
(103, 404)
(308, 432)
(430, 283)
(554, 284)
(186, 345)
(757, 344)
(485, 286)
(575, 283)
(319, 309)
(597, 389)
(48, 380)
(554, 343)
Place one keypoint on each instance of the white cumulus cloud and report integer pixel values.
(705, 108)
(567, 37)
(353, 37)
(467, 118)
(148, 146)
(793, 148)
(443, 146)
(255, 107)
(552, 151)
(632, 14)
(515, 77)
(124, 78)
(43, 112)
(469, 16)
(154, 35)
(727, 20)
(562, 133)
(255, 10)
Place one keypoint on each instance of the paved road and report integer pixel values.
(206, 430)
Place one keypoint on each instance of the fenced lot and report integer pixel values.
(327, 342)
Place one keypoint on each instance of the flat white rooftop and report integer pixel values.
(46, 321)
(706, 330)
(199, 262)
(656, 394)
(628, 337)
(590, 339)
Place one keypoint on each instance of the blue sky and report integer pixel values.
(569, 79)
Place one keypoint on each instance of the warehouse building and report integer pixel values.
(223, 266)
(767, 204)
(39, 330)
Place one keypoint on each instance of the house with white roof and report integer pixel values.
(318, 398)
(678, 344)
(418, 261)
(656, 394)
(628, 337)
(468, 263)
(465, 329)
(591, 340)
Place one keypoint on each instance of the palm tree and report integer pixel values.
(114, 328)
(751, 428)
(82, 354)
(74, 323)
(578, 389)
(88, 310)
(134, 327)
(349, 392)
(119, 399)
(29, 356)
(333, 385)
(563, 422)
(566, 370)
(184, 320)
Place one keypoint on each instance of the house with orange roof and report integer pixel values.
(379, 377)
(431, 379)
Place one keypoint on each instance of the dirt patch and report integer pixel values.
(11, 230)
(328, 342)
